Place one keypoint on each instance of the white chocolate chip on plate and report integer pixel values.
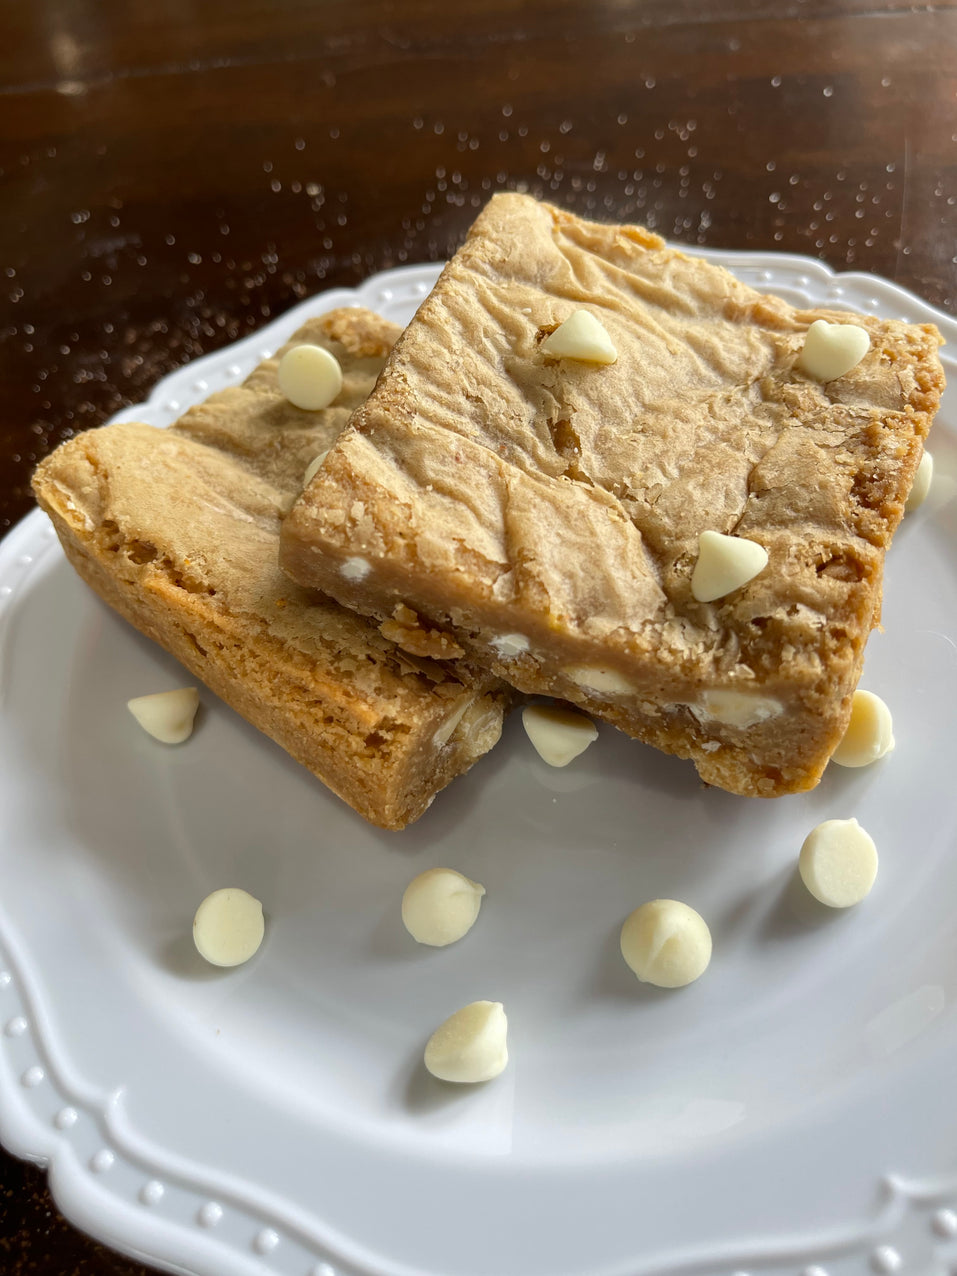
(869, 734)
(310, 377)
(838, 863)
(921, 485)
(725, 563)
(666, 943)
(559, 735)
(471, 1045)
(832, 349)
(312, 469)
(581, 336)
(167, 716)
(228, 927)
(440, 906)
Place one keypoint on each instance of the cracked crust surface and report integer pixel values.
(493, 491)
(178, 530)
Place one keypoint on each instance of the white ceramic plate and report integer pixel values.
(791, 1112)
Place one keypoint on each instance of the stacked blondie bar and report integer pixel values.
(522, 494)
(178, 530)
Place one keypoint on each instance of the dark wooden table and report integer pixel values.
(175, 174)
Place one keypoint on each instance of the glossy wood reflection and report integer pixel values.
(176, 174)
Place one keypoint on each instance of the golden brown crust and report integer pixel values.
(179, 529)
(495, 491)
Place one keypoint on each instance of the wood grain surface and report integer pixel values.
(175, 174)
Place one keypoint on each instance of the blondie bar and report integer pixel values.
(546, 512)
(178, 530)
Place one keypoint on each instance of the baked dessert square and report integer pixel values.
(547, 512)
(178, 530)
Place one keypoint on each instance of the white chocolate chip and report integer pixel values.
(510, 644)
(869, 734)
(446, 729)
(440, 906)
(581, 337)
(735, 708)
(487, 718)
(168, 716)
(666, 943)
(559, 735)
(312, 469)
(833, 349)
(471, 1045)
(725, 563)
(309, 377)
(838, 863)
(596, 678)
(355, 568)
(228, 927)
(921, 486)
